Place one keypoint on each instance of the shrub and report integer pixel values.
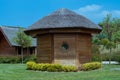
(96, 53)
(105, 57)
(9, 59)
(31, 65)
(113, 56)
(1, 60)
(95, 49)
(91, 66)
(40, 67)
(29, 58)
(44, 66)
(14, 59)
(54, 68)
(69, 68)
(50, 67)
(116, 57)
(96, 57)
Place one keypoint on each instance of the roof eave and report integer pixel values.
(51, 30)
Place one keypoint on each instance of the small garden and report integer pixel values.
(61, 68)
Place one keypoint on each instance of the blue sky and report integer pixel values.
(26, 12)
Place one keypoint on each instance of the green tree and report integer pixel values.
(110, 32)
(116, 38)
(22, 40)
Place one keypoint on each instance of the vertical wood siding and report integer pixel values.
(44, 48)
(84, 48)
(6, 49)
(67, 57)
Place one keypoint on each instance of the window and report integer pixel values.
(19, 51)
(31, 51)
(64, 46)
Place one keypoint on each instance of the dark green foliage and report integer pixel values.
(9, 59)
(114, 57)
(96, 57)
(117, 58)
(29, 58)
(96, 53)
(95, 49)
(14, 59)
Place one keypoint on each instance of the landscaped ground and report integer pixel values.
(19, 72)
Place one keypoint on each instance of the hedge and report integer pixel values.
(91, 66)
(15, 59)
(50, 67)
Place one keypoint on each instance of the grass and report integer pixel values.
(19, 72)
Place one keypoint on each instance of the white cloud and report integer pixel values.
(96, 12)
(92, 7)
(116, 12)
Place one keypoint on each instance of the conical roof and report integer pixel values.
(63, 18)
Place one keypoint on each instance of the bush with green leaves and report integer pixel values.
(91, 66)
(29, 58)
(9, 59)
(15, 59)
(69, 68)
(54, 68)
(42, 67)
(96, 57)
(114, 57)
(31, 65)
(96, 53)
(50, 67)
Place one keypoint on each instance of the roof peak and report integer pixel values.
(63, 11)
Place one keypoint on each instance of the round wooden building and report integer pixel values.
(63, 37)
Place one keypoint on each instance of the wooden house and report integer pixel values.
(7, 45)
(63, 37)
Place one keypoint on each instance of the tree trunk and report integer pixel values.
(110, 36)
(22, 54)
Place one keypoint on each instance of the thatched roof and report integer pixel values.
(9, 33)
(63, 18)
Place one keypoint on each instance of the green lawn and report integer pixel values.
(19, 72)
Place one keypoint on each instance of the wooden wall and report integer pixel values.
(65, 57)
(49, 48)
(84, 48)
(44, 48)
(5, 48)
